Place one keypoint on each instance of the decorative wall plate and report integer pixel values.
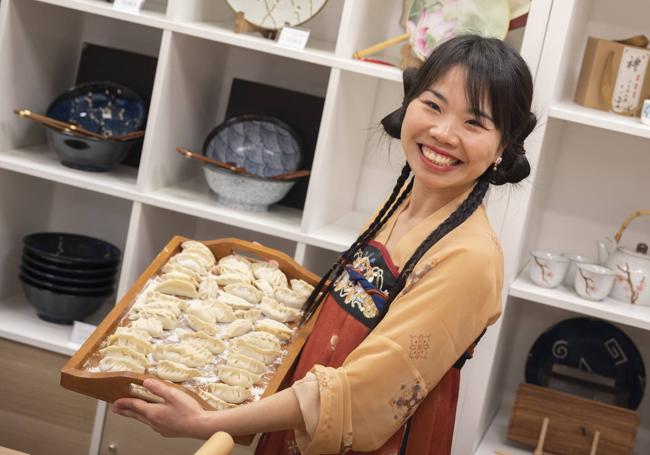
(590, 358)
(275, 14)
(431, 21)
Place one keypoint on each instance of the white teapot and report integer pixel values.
(632, 267)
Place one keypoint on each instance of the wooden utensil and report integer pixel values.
(220, 443)
(231, 167)
(72, 128)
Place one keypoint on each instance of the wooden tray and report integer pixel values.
(572, 423)
(109, 386)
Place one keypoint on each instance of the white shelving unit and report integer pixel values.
(589, 167)
(589, 173)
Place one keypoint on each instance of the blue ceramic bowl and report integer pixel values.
(244, 192)
(105, 108)
(264, 146)
(73, 250)
(101, 107)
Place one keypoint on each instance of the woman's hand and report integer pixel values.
(179, 416)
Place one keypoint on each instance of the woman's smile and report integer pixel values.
(438, 160)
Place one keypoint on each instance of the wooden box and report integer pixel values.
(572, 423)
(109, 386)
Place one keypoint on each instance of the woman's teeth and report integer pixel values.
(438, 159)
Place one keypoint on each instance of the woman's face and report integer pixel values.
(446, 145)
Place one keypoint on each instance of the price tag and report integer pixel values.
(294, 38)
(80, 332)
(132, 6)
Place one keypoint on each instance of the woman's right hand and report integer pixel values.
(179, 416)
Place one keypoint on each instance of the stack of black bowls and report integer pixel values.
(67, 277)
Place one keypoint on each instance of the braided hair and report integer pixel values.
(493, 69)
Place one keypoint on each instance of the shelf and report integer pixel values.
(569, 111)
(340, 234)
(18, 322)
(564, 298)
(495, 440)
(150, 18)
(193, 197)
(39, 161)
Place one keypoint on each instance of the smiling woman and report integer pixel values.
(404, 306)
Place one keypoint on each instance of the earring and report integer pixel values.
(496, 164)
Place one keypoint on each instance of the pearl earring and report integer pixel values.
(496, 164)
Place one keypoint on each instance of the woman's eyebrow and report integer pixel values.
(438, 94)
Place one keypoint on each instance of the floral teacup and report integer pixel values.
(575, 259)
(547, 269)
(594, 282)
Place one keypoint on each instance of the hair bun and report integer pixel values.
(513, 169)
(392, 123)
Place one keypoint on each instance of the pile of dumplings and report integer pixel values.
(216, 327)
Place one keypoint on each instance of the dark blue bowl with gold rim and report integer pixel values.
(104, 108)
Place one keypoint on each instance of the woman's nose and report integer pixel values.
(443, 131)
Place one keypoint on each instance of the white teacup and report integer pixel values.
(594, 282)
(547, 269)
(570, 278)
(645, 112)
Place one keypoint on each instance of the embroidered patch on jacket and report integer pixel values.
(408, 399)
(419, 346)
(350, 294)
(418, 274)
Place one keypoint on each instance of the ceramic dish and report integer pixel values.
(41, 265)
(244, 192)
(72, 249)
(71, 290)
(105, 108)
(66, 281)
(273, 15)
(590, 358)
(60, 308)
(264, 146)
(431, 21)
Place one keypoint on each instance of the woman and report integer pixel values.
(408, 301)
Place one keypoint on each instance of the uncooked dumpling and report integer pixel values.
(245, 348)
(212, 343)
(290, 298)
(172, 267)
(167, 317)
(263, 340)
(223, 313)
(277, 328)
(229, 393)
(175, 286)
(217, 403)
(200, 325)
(202, 311)
(236, 328)
(126, 354)
(130, 341)
(209, 288)
(275, 310)
(231, 278)
(175, 372)
(301, 287)
(247, 292)
(270, 272)
(233, 301)
(252, 315)
(120, 364)
(185, 353)
(246, 363)
(236, 376)
(152, 326)
(235, 263)
(265, 287)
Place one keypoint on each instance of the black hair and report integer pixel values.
(493, 71)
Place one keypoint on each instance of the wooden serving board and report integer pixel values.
(573, 422)
(109, 386)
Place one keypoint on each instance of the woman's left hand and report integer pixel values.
(179, 416)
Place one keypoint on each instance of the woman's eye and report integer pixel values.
(476, 123)
(433, 105)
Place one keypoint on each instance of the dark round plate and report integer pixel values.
(264, 146)
(43, 265)
(69, 290)
(101, 107)
(66, 281)
(72, 249)
(591, 358)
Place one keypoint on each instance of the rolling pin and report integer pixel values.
(220, 443)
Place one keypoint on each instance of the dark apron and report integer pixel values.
(354, 306)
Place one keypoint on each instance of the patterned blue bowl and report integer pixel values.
(105, 108)
(264, 146)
